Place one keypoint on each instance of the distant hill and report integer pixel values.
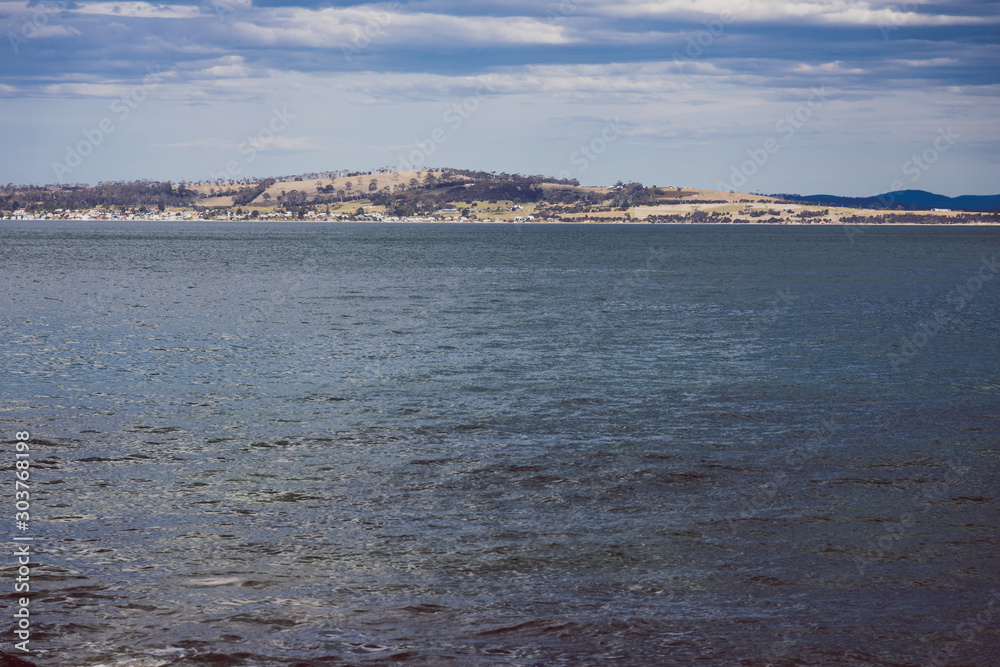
(463, 194)
(913, 200)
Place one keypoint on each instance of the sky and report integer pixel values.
(773, 96)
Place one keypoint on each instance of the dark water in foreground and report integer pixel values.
(504, 445)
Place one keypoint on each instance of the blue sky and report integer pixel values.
(808, 96)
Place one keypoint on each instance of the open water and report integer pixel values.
(336, 444)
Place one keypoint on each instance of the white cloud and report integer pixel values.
(137, 10)
(358, 28)
(839, 12)
(102, 90)
(833, 68)
(224, 7)
(226, 67)
(202, 143)
(273, 142)
(928, 62)
(295, 144)
(611, 81)
(54, 31)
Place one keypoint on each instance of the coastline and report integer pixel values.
(636, 223)
(455, 196)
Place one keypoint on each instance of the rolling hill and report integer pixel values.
(912, 200)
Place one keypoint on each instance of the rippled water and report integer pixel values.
(505, 444)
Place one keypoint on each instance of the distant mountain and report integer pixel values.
(911, 200)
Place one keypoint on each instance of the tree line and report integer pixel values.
(435, 190)
(149, 194)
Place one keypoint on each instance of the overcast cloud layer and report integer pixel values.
(840, 96)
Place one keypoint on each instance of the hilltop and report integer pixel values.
(443, 195)
(909, 200)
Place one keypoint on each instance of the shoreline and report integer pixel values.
(636, 223)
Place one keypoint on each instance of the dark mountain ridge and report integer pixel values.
(909, 200)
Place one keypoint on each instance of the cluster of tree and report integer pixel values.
(573, 197)
(661, 200)
(757, 213)
(429, 191)
(411, 203)
(921, 219)
(504, 177)
(692, 217)
(521, 191)
(585, 204)
(247, 194)
(602, 218)
(291, 178)
(454, 185)
(626, 195)
(133, 194)
(221, 213)
(415, 198)
(490, 186)
(293, 200)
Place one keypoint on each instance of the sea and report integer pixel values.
(298, 444)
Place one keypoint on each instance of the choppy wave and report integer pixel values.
(438, 445)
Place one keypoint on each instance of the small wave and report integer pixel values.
(216, 581)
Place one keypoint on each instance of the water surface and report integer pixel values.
(326, 444)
